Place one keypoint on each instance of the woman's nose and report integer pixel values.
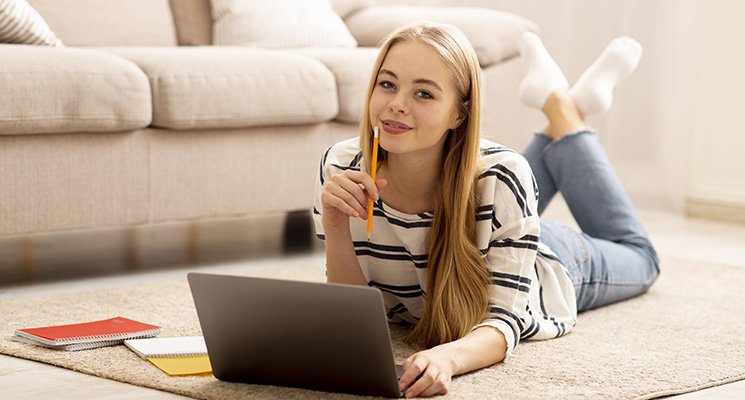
(398, 105)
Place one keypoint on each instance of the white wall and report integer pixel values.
(718, 143)
(676, 120)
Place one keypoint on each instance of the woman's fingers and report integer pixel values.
(368, 185)
(424, 382)
(349, 192)
(413, 367)
(425, 374)
(438, 386)
(332, 202)
(370, 190)
(355, 189)
(340, 198)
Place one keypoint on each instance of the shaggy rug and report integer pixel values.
(682, 336)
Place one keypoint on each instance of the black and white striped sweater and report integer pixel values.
(531, 296)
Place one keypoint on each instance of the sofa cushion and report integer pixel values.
(352, 69)
(278, 24)
(21, 24)
(494, 34)
(234, 87)
(115, 23)
(62, 90)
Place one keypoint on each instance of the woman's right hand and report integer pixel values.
(346, 195)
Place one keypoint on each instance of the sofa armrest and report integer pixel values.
(494, 34)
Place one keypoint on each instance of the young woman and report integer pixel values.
(457, 247)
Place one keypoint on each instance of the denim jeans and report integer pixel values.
(612, 258)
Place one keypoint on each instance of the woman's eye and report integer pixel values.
(424, 95)
(387, 85)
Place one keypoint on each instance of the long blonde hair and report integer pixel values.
(456, 298)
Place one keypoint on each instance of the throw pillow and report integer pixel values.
(494, 34)
(21, 24)
(278, 24)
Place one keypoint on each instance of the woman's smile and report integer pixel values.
(395, 127)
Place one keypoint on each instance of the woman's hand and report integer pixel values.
(346, 195)
(428, 373)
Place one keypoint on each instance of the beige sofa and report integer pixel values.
(140, 120)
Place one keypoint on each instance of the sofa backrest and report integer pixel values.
(193, 18)
(109, 22)
(141, 22)
(346, 8)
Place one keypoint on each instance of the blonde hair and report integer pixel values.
(457, 275)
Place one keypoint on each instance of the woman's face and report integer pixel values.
(414, 102)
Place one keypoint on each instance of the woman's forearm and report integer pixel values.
(341, 261)
(483, 347)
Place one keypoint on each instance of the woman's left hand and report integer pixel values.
(427, 373)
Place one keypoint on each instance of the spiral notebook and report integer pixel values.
(87, 335)
(174, 347)
(183, 366)
(176, 356)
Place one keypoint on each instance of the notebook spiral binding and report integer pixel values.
(69, 347)
(112, 337)
(79, 340)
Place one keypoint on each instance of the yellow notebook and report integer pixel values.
(183, 365)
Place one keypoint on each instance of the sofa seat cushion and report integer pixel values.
(352, 69)
(64, 90)
(234, 87)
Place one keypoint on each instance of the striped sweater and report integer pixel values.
(531, 295)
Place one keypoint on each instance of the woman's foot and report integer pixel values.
(563, 115)
(593, 91)
(542, 77)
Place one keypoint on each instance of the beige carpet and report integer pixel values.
(684, 335)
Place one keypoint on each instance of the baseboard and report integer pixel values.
(717, 210)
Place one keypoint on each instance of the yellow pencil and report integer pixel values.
(372, 175)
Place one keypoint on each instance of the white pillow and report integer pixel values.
(278, 23)
(493, 34)
(21, 24)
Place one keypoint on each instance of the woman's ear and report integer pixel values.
(462, 112)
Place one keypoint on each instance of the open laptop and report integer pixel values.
(317, 336)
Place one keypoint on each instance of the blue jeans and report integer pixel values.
(612, 258)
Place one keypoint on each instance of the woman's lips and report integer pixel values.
(395, 127)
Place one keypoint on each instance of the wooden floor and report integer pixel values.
(58, 264)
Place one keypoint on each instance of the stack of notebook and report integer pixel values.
(86, 335)
(175, 356)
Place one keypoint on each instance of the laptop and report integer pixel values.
(318, 336)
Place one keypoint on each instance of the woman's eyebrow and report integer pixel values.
(387, 72)
(428, 82)
(420, 80)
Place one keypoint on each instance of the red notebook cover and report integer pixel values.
(108, 329)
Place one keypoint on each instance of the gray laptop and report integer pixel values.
(312, 335)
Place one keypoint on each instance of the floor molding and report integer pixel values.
(717, 210)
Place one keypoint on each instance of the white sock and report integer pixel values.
(543, 76)
(593, 91)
